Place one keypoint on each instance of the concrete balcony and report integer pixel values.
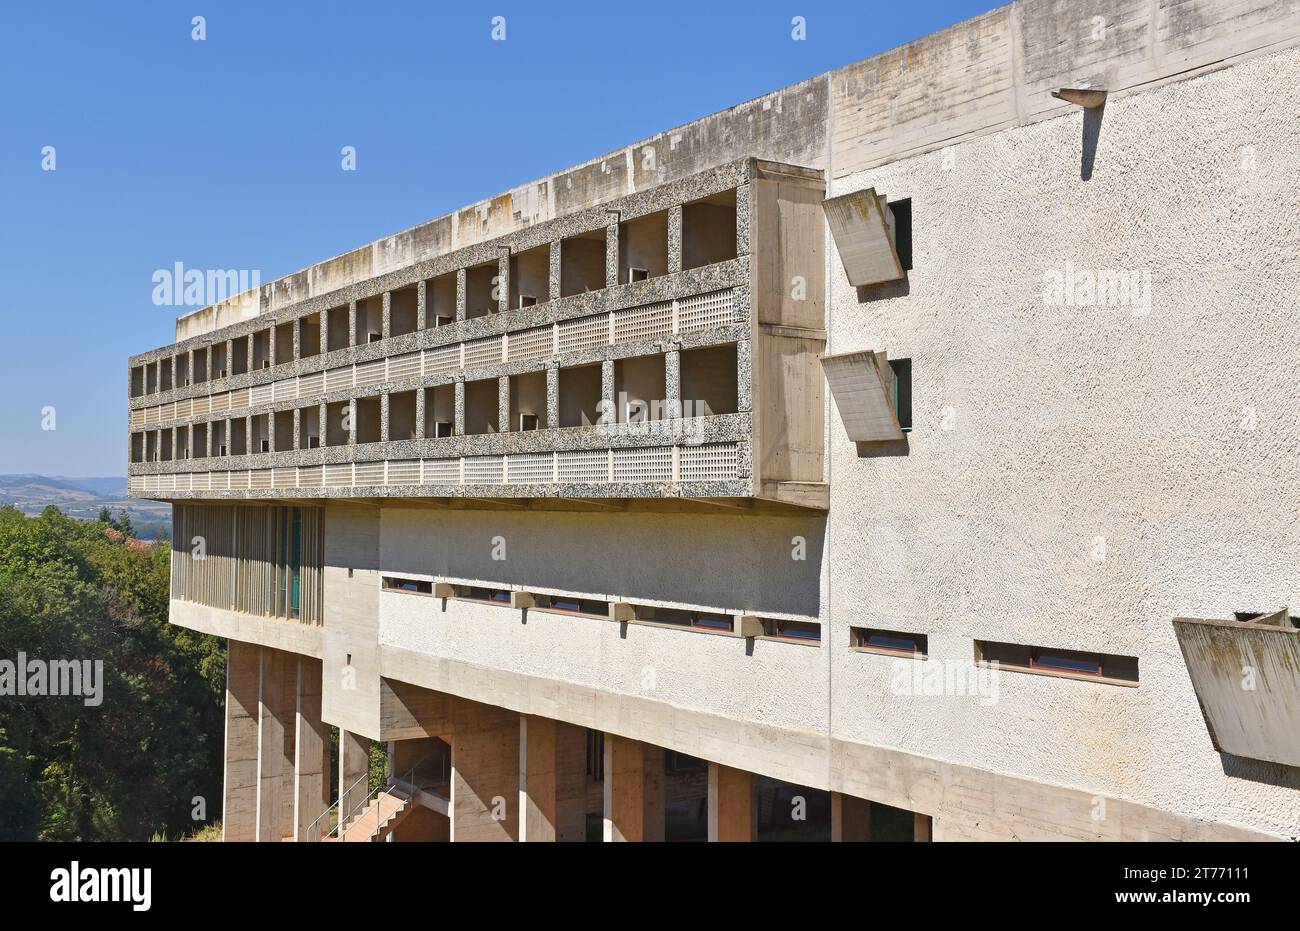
(691, 374)
(1246, 674)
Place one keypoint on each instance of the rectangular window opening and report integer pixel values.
(891, 642)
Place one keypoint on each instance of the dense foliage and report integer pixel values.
(132, 767)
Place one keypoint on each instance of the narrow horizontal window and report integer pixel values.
(712, 621)
(1051, 661)
(685, 617)
(394, 584)
(805, 631)
(898, 643)
(498, 596)
(565, 604)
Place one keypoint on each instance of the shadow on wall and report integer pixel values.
(884, 290)
(883, 450)
(1273, 774)
(740, 562)
(1091, 135)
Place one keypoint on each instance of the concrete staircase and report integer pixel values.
(385, 812)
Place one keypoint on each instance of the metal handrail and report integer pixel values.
(314, 833)
(389, 783)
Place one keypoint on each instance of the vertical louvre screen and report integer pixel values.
(258, 560)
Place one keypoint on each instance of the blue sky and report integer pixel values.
(224, 153)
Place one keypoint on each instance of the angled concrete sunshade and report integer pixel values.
(862, 226)
(863, 386)
(1246, 675)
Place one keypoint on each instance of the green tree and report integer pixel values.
(131, 766)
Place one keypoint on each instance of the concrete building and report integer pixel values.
(833, 466)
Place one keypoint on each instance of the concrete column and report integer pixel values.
(608, 405)
(386, 315)
(383, 398)
(611, 250)
(296, 330)
(459, 427)
(552, 780)
(354, 762)
(230, 357)
(503, 404)
(421, 305)
(419, 404)
(323, 424)
(250, 343)
(324, 332)
(634, 790)
(248, 434)
(461, 295)
(311, 743)
(297, 428)
(674, 239)
(270, 350)
(352, 421)
(503, 280)
(555, 270)
(275, 733)
(352, 323)
(552, 395)
(270, 429)
(850, 818)
(485, 776)
(239, 786)
(745, 381)
(733, 804)
(673, 383)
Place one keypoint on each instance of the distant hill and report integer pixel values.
(82, 498)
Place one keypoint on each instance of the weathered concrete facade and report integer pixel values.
(1094, 323)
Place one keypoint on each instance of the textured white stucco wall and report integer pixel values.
(725, 562)
(1040, 429)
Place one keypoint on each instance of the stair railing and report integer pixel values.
(314, 832)
(408, 783)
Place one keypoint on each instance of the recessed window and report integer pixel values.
(481, 283)
(567, 604)
(439, 411)
(284, 343)
(709, 230)
(309, 336)
(902, 392)
(709, 381)
(497, 596)
(482, 406)
(580, 395)
(892, 642)
(401, 416)
(902, 211)
(803, 631)
(582, 263)
(336, 335)
(1052, 661)
(261, 350)
(403, 307)
(415, 586)
(368, 413)
(643, 248)
(440, 301)
(530, 277)
(685, 617)
(370, 320)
